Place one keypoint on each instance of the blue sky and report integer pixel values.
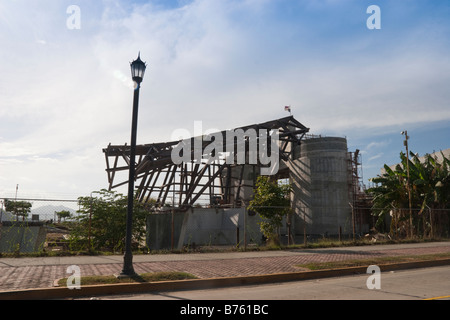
(66, 93)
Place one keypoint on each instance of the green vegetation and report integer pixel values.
(19, 208)
(101, 223)
(372, 261)
(272, 202)
(64, 214)
(321, 243)
(142, 278)
(428, 191)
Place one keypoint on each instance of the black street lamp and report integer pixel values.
(137, 72)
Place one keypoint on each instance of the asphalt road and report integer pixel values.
(416, 284)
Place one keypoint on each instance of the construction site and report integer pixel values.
(203, 201)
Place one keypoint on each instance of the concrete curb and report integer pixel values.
(127, 288)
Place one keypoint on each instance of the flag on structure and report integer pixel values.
(287, 108)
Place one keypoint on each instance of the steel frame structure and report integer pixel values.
(158, 177)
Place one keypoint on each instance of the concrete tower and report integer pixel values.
(320, 179)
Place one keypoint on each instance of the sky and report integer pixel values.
(66, 89)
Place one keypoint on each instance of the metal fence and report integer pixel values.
(40, 209)
(420, 222)
(215, 227)
(236, 227)
(25, 224)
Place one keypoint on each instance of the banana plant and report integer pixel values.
(429, 183)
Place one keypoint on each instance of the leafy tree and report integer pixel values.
(64, 214)
(102, 219)
(271, 201)
(19, 208)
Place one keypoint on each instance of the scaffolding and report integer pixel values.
(360, 201)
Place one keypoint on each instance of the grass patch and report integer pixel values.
(372, 261)
(313, 244)
(142, 278)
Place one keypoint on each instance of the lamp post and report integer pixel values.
(409, 185)
(137, 72)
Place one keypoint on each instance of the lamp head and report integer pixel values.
(138, 69)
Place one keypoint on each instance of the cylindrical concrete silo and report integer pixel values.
(319, 176)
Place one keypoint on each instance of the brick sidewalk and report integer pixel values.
(43, 276)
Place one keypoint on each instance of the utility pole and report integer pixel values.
(408, 182)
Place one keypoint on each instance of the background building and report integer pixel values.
(204, 203)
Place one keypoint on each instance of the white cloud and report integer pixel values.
(227, 63)
(377, 156)
(377, 144)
